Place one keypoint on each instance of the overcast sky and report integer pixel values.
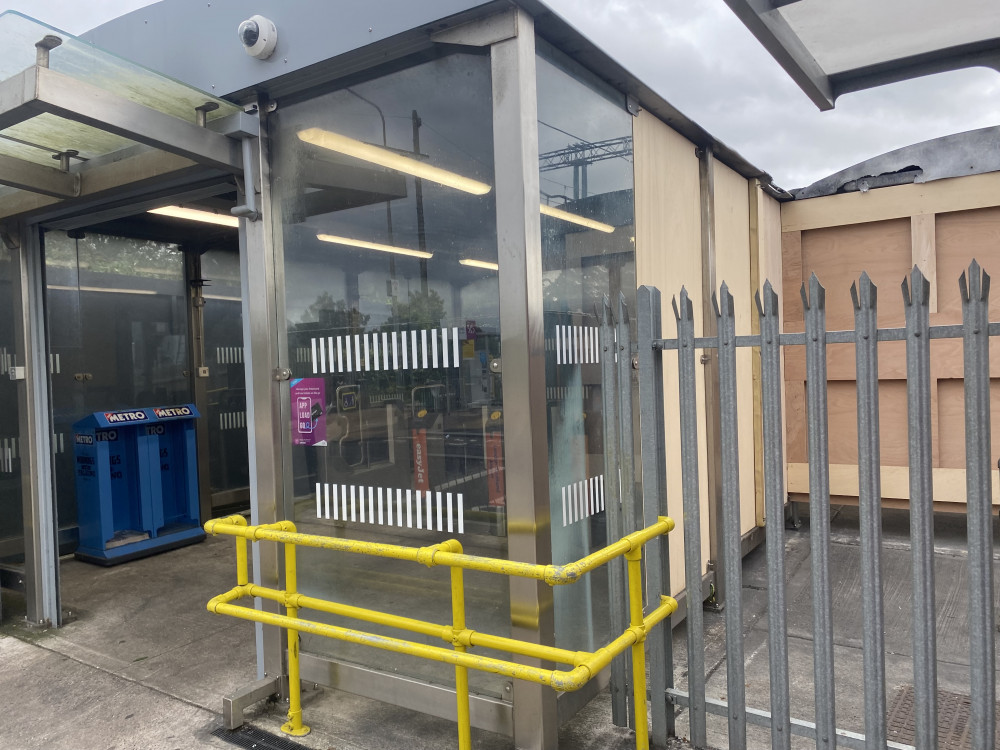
(702, 60)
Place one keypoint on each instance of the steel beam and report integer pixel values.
(38, 178)
(42, 91)
(765, 22)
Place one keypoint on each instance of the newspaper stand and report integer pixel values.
(136, 482)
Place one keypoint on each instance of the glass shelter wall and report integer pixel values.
(385, 216)
(11, 518)
(588, 251)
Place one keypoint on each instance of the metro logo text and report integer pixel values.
(172, 411)
(117, 417)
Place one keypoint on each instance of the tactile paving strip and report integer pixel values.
(954, 719)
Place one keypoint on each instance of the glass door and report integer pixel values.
(386, 221)
(118, 336)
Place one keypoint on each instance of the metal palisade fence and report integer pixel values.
(975, 332)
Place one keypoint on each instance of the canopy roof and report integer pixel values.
(833, 48)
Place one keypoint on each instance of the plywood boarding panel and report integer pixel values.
(843, 422)
(668, 256)
(951, 420)
(961, 237)
(732, 251)
(792, 278)
(838, 255)
(949, 484)
(939, 196)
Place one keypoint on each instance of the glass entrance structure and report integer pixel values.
(426, 217)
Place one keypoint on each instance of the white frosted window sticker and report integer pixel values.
(444, 347)
(601, 491)
(329, 351)
(420, 509)
(399, 508)
(564, 506)
(385, 350)
(423, 343)
(559, 349)
(409, 509)
(357, 352)
(454, 347)
(375, 352)
(451, 522)
(461, 513)
(406, 365)
(368, 365)
(371, 505)
(315, 361)
(413, 351)
(322, 355)
(440, 512)
(395, 351)
(428, 499)
(434, 348)
(326, 500)
(336, 505)
(350, 357)
(354, 511)
(343, 502)
(576, 338)
(340, 354)
(319, 510)
(361, 503)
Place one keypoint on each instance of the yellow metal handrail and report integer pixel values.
(585, 665)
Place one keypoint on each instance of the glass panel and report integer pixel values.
(11, 520)
(227, 398)
(854, 33)
(117, 317)
(39, 138)
(588, 251)
(390, 252)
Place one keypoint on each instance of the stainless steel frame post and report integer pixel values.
(260, 286)
(41, 547)
(515, 144)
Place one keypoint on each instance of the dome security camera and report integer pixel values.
(259, 35)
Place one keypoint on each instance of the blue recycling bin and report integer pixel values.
(136, 482)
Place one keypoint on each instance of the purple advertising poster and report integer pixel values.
(308, 411)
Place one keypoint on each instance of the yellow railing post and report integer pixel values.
(461, 672)
(294, 725)
(634, 558)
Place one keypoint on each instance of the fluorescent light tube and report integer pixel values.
(192, 214)
(391, 160)
(373, 246)
(480, 264)
(558, 213)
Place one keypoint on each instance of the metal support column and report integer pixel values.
(198, 374)
(515, 145)
(710, 359)
(260, 284)
(41, 547)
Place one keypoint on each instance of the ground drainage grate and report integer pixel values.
(255, 739)
(954, 719)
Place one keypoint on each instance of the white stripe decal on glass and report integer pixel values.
(423, 342)
(395, 352)
(385, 350)
(454, 347)
(314, 360)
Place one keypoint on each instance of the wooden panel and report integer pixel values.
(949, 484)
(668, 255)
(732, 251)
(838, 255)
(951, 420)
(902, 201)
(961, 237)
(791, 281)
(843, 422)
(924, 251)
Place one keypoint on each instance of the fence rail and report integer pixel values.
(975, 332)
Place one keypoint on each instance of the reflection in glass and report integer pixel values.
(383, 189)
(117, 311)
(585, 166)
